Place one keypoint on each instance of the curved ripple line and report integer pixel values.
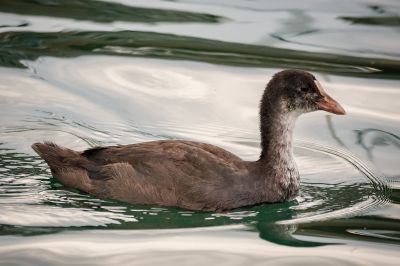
(378, 181)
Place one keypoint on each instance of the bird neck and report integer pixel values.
(277, 128)
(277, 167)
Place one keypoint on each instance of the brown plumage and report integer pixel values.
(195, 175)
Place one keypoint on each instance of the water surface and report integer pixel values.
(89, 73)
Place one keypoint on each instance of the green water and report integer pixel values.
(88, 73)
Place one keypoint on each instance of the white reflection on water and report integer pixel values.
(227, 246)
(155, 81)
(372, 100)
(300, 25)
(52, 216)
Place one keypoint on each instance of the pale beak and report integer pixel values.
(328, 103)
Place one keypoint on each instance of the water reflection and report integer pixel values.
(370, 138)
(332, 130)
(362, 229)
(101, 11)
(227, 246)
(18, 46)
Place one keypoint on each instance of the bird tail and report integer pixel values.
(68, 166)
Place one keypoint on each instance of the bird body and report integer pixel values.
(186, 174)
(194, 175)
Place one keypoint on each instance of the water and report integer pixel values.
(88, 73)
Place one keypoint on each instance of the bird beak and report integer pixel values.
(328, 103)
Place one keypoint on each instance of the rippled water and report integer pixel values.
(88, 73)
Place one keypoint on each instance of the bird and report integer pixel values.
(199, 176)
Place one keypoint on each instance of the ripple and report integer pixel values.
(175, 47)
(225, 246)
(51, 216)
(378, 199)
(158, 82)
(383, 234)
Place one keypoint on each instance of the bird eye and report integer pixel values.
(305, 89)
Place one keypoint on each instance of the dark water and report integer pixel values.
(88, 73)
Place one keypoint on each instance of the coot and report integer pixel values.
(200, 176)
